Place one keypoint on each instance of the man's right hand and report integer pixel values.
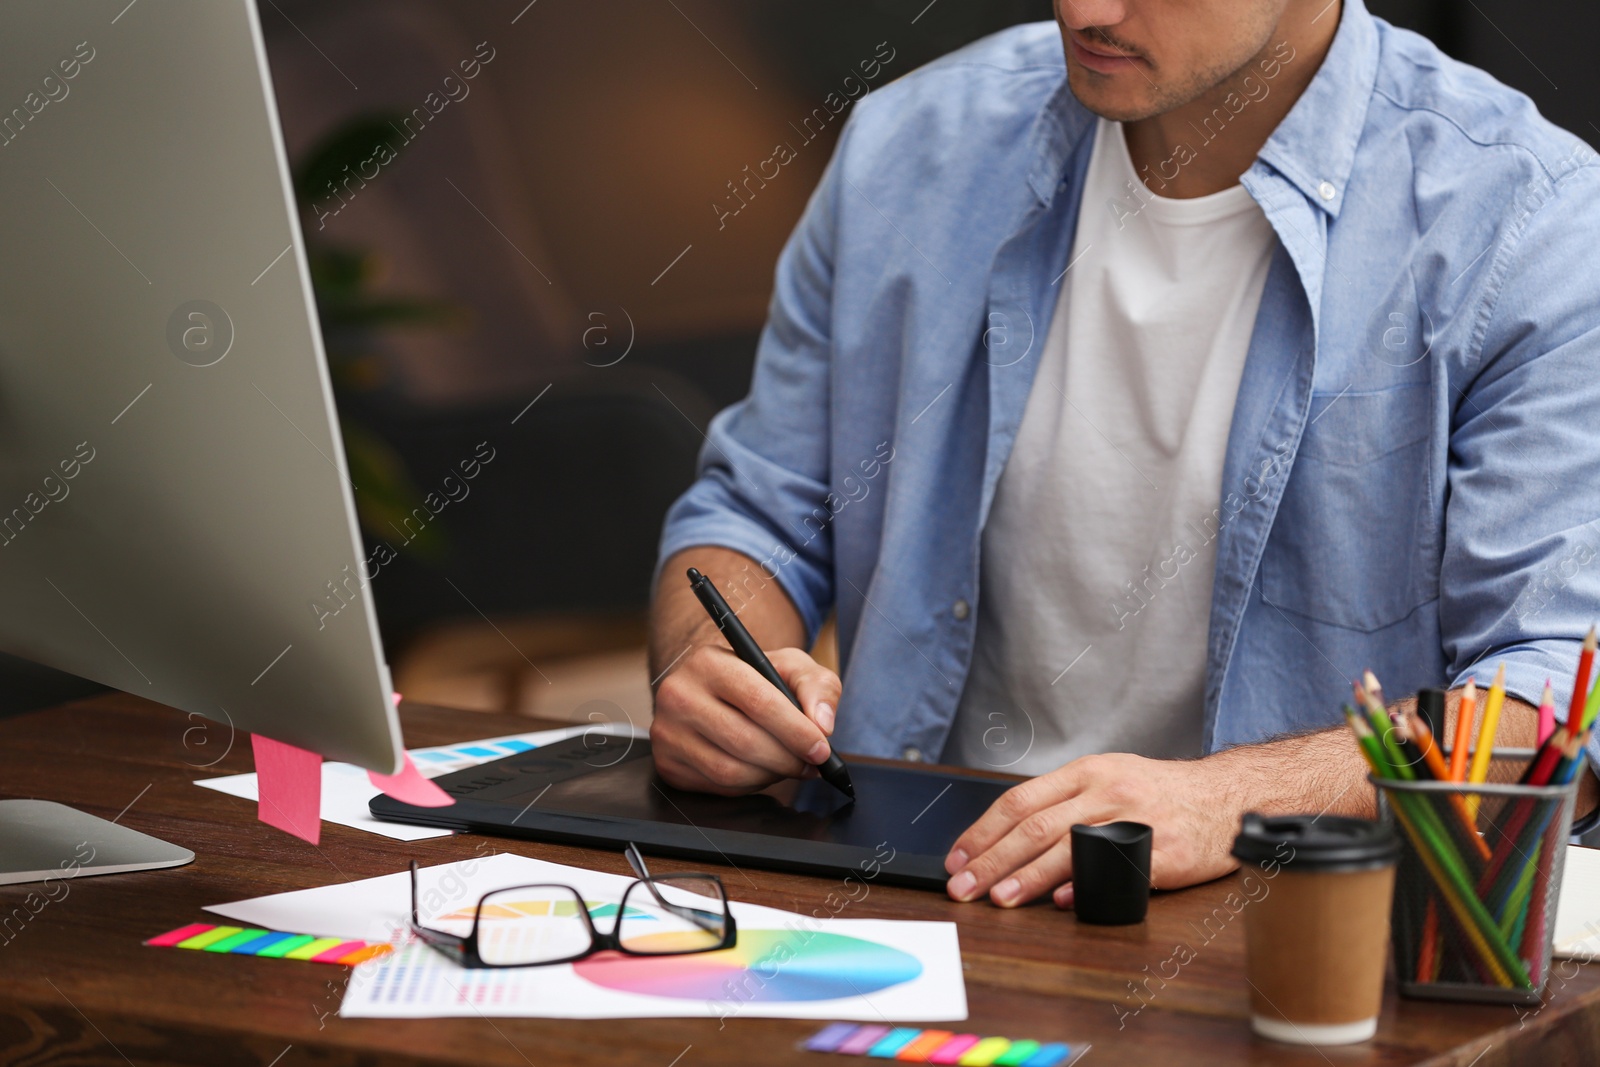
(722, 728)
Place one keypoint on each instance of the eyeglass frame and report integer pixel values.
(463, 948)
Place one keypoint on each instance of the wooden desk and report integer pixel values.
(76, 985)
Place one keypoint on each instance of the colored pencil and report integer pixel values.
(1428, 951)
(1547, 713)
(1533, 939)
(1403, 763)
(1464, 715)
(1483, 751)
(1591, 707)
(1580, 683)
(1443, 863)
(1433, 760)
(1503, 877)
(1544, 761)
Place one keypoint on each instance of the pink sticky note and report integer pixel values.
(289, 782)
(410, 787)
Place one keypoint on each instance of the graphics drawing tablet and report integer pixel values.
(602, 791)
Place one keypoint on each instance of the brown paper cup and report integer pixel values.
(1317, 936)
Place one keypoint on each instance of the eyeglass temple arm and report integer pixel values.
(683, 911)
(414, 919)
(455, 944)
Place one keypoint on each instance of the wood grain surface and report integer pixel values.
(77, 987)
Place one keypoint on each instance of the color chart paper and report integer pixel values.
(785, 965)
(824, 969)
(346, 788)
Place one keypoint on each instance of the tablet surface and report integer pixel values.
(899, 828)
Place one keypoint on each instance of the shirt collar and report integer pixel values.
(1057, 133)
(1314, 147)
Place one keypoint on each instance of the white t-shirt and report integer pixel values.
(1098, 556)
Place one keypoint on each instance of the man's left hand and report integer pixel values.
(1022, 847)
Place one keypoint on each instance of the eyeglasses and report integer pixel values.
(537, 925)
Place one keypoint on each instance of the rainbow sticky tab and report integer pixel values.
(984, 1052)
(892, 1042)
(1052, 1055)
(182, 933)
(364, 953)
(249, 941)
(1018, 1054)
(924, 1046)
(910, 1045)
(313, 949)
(339, 952)
(858, 1043)
(950, 1051)
(243, 937)
(210, 937)
(829, 1038)
(261, 946)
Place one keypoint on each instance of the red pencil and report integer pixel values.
(1547, 713)
(1538, 772)
(1580, 684)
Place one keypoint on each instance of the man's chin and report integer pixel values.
(1110, 96)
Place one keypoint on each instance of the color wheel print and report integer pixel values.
(782, 965)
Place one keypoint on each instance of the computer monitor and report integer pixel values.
(176, 513)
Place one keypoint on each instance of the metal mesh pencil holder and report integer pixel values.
(1476, 890)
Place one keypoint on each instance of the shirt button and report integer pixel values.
(913, 754)
(1327, 191)
(961, 609)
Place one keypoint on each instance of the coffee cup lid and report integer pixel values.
(1315, 843)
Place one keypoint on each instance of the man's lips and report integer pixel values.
(1098, 57)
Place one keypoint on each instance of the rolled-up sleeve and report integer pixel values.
(1520, 581)
(764, 468)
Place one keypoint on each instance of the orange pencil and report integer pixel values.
(1464, 716)
(1423, 737)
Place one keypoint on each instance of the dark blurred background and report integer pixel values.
(550, 273)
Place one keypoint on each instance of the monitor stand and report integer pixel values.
(42, 840)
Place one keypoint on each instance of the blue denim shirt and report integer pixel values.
(1412, 479)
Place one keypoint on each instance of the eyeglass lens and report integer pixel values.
(690, 916)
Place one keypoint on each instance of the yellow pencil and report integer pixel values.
(1479, 771)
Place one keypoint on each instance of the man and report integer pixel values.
(1125, 406)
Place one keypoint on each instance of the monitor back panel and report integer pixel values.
(176, 515)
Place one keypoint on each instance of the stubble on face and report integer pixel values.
(1158, 84)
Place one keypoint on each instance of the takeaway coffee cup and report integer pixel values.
(1316, 924)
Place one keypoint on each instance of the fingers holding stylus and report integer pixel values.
(687, 760)
(720, 727)
(815, 686)
(770, 710)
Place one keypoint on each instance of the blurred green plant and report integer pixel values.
(354, 318)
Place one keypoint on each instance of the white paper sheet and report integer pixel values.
(1578, 911)
(785, 965)
(346, 789)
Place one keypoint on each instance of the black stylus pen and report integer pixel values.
(832, 769)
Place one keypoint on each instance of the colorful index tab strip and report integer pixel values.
(249, 941)
(911, 1045)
